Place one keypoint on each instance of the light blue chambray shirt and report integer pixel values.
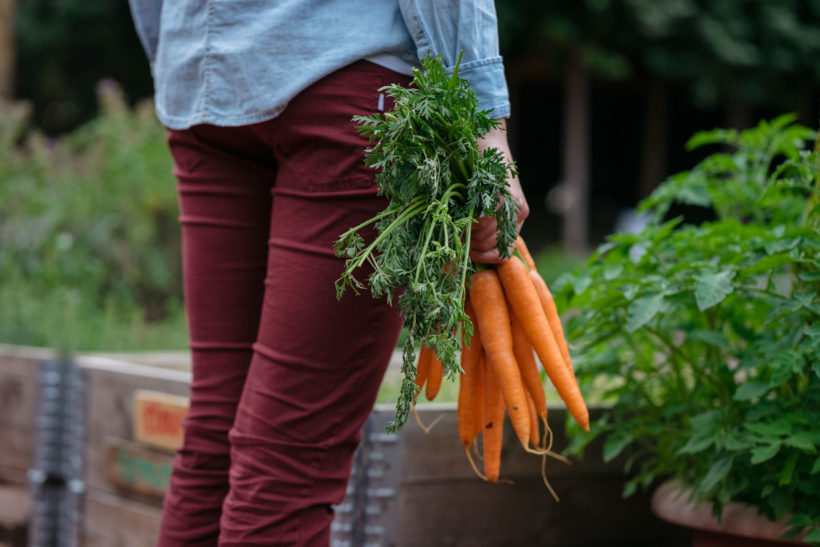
(237, 62)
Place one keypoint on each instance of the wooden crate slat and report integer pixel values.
(113, 521)
(19, 367)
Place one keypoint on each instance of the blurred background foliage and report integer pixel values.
(88, 223)
(64, 48)
(757, 53)
(605, 94)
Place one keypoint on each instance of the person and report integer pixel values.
(258, 98)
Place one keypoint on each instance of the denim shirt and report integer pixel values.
(237, 62)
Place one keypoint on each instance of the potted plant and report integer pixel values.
(705, 336)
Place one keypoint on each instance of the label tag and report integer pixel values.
(158, 418)
(136, 468)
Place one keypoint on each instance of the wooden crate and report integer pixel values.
(439, 489)
(423, 493)
(111, 386)
(125, 479)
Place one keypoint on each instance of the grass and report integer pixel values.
(64, 319)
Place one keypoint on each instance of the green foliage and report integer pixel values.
(709, 334)
(438, 182)
(756, 52)
(551, 262)
(64, 47)
(88, 226)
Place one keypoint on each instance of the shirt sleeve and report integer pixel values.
(446, 27)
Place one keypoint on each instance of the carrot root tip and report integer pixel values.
(546, 481)
(548, 433)
(536, 451)
(479, 456)
(426, 428)
(474, 466)
(558, 457)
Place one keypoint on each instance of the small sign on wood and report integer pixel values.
(158, 418)
(136, 468)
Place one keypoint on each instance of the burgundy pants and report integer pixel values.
(284, 375)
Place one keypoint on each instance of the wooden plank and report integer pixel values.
(175, 360)
(18, 390)
(158, 418)
(110, 388)
(474, 514)
(133, 468)
(112, 521)
(19, 366)
(15, 507)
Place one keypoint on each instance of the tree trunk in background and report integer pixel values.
(653, 166)
(520, 71)
(739, 116)
(576, 155)
(7, 49)
(806, 110)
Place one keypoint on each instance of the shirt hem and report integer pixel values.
(185, 122)
(392, 62)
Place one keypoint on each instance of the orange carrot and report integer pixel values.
(529, 369)
(478, 396)
(522, 248)
(434, 380)
(524, 300)
(465, 410)
(478, 384)
(487, 299)
(552, 316)
(533, 422)
(426, 356)
(493, 426)
(470, 361)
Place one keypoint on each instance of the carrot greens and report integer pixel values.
(438, 183)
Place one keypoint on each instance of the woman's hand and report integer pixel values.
(484, 232)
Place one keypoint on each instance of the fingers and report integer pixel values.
(484, 229)
(483, 242)
(484, 234)
(486, 257)
(484, 239)
(523, 210)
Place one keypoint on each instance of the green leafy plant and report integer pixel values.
(89, 239)
(706, 336)
(438, 183)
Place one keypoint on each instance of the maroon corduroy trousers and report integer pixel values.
(284, 375)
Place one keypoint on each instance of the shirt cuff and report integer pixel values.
(487, 80)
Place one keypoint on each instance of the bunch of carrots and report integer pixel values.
(513, 313)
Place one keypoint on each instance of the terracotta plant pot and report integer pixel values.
(740, 524)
